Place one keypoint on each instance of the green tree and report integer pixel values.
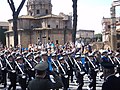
(15, 13)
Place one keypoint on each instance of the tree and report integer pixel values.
(15, 13)
(74, 20)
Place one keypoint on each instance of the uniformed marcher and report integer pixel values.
(64, 73)
(79, 72)
(105, 64)
(3, 70)
(21, 72)
(11, 72)
(92, 71)
(40, 82)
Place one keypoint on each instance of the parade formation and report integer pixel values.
(60, 65)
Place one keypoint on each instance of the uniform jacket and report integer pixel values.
(44, 84)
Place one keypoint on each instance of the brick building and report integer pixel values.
(40, 23)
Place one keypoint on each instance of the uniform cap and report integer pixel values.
(19, 57)
(104, 51)
(61, 58)
(37, 56)
(43, 53)
(9, 56)
(53, 55)
(77, 56)
(29, 54)
(41, 66)
(90, 54)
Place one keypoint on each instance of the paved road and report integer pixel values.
(73, 86)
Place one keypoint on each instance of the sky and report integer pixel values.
(90, 12)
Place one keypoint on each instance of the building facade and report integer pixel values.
(85, 35)
(106, 33)
(3, 28)
(40, 23)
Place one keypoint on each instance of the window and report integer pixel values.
(56, 26)
(118, 36)
(46, 11)
(48, 26)
(65, 26)
(118, 45)
(38, 11)
(109, 26)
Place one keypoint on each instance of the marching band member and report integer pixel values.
(105, 64)
(21, 72)
(92, 71)
(64, 73)
(79, 73)
(11, 72)
(29, 63)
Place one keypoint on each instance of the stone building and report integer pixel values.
(3, 27)
(85, 35)
(106, 33)
(40, 23)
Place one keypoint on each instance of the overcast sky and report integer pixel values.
(90, 12)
